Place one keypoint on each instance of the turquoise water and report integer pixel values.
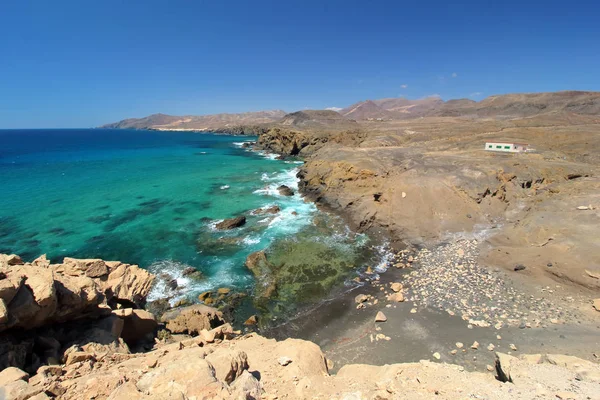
(152, 199)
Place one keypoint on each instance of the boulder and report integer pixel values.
(396, 286)
(246, 387)
(192, 319)
(231, 223)
(504, 364)
(128, 284)
(228, 364)
(12, 374)
(285, 190)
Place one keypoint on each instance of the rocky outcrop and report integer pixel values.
(231, 223)
(253, 367)
(40, 293)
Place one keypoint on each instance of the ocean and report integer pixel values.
(153, 199)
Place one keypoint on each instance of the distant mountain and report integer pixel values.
(502, 106)
(318, 119)
(199, 122)
(366, 110)
(567, 106)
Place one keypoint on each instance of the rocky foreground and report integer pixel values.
(76, 330)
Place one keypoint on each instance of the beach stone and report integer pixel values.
(396, 286)
(223, 291)
(361, 298)
(491, 347)
(252, 320)
(519, 267)
(380, 317)
(475, 345)
(459, 345)
(231, 223)
(285, 190)
(437, 355)
(396, 297)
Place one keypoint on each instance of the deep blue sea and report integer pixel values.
(152, 198)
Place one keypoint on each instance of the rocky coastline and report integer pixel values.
(78, 332)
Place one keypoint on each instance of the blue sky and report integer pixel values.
(84, 63)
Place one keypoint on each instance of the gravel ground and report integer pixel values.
(449, 278)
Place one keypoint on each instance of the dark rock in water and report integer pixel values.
(267, 210)
(188, 271)
(158, 307)
(519, 267)
(192, 273)
(285, 190)
(172, 284)
(231, 223)
(282, 157)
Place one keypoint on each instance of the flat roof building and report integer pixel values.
(507, 147)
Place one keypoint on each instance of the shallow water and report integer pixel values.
(153, 198)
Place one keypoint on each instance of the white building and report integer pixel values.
(507, 147)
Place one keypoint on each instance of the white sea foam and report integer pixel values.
(225, 187)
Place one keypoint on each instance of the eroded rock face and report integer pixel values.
(37, 294)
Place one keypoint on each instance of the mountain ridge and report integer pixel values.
(506, 106)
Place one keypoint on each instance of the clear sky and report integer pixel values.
(78, 63)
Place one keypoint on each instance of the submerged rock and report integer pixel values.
(231, 223)
(267, 210)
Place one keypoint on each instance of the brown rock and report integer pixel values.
(285, 190)
(203, 296)
(380, 317)
(12, 374)
(192, 319)
(267, 210)
(228, 364)
(78, 356)
(128, 283)
(19, 390)
(41, 261)
(252, 320)
(396, 297)
(223, 291)
(231, 223)
(97, 269)
(10, 259)
(396, 286)
(596, 304)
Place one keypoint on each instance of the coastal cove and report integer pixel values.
(153, 199)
